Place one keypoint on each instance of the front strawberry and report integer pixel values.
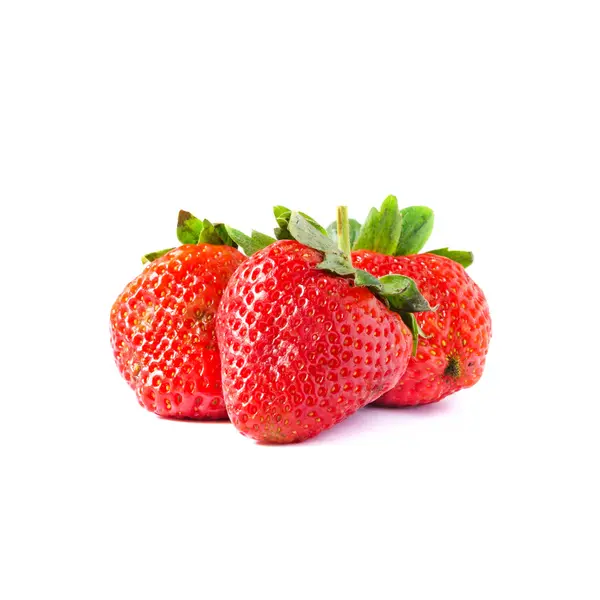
(304, 340)
(162, 324)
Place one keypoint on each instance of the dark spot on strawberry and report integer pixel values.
(453, 368)
(203, 319)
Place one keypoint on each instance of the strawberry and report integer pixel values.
(306, 339)
(451, 356)
(456, 335)
(162, 325)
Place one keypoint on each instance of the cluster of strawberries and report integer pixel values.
(306, 329)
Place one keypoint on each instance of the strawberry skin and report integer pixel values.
(453, 356)
(302, 349)
(163, 334)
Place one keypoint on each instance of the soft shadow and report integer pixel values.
(347, 429)
(195, 421)
(378, 418)
(277, 445)
(423, 410)
(369, 418)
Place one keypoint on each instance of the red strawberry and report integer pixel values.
(162, 326)
(455, 337)
(302, 347)
(452, 355)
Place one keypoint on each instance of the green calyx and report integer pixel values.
(392, 231)
(189, 227)
(382, 228)
(191, 230)
(398, 292)
(283, 215)
(154, 255)
(397, 232)
(353, 229)
(417, 225)
(462, 257)
(249, 244)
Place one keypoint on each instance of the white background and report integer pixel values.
(113, 115)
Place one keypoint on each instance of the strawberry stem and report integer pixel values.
(343, 230)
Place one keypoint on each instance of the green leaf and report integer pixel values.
(417, 225)
(399, 292)
(222, 232)
(334, 261)
(365, 240)
(188, 228)
(390, 226)
(209, 234)
(308, 234)
(403, 294)
(191, 230)
(337, 263)
(365, 279)
(382, 228)
(411, 322)
(250, 244)
(462, 257)
(262, 238)
(279, 211)
(354, 229)
(154, 255)
(283, 215)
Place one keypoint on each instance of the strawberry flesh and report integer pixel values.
(302, 349)
(163, 331)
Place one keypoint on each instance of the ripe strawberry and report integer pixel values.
(451, 354)
(162, 325)
(304, 340)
